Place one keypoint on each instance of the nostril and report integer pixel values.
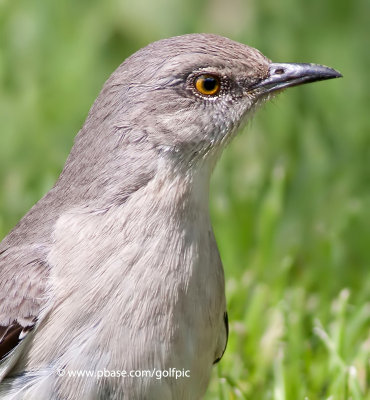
(279, 71)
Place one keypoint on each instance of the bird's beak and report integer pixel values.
(284, 75)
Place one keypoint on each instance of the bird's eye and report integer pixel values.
(207, 85)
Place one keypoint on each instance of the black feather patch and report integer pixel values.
(11, 335)
(226, 321)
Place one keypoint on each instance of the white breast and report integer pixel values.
(136, 287)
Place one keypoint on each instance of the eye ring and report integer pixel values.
(207, 84)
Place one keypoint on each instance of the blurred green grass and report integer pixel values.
(290, 198)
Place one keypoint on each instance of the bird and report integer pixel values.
(116, 271)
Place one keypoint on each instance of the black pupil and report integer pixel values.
(209, 83)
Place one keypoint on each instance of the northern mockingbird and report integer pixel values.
(116, 268)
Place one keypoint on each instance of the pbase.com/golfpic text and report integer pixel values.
(146, 373)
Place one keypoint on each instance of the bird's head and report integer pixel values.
(188, 94)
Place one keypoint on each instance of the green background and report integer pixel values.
(290, 198)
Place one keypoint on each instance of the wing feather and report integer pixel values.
(23, 280)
